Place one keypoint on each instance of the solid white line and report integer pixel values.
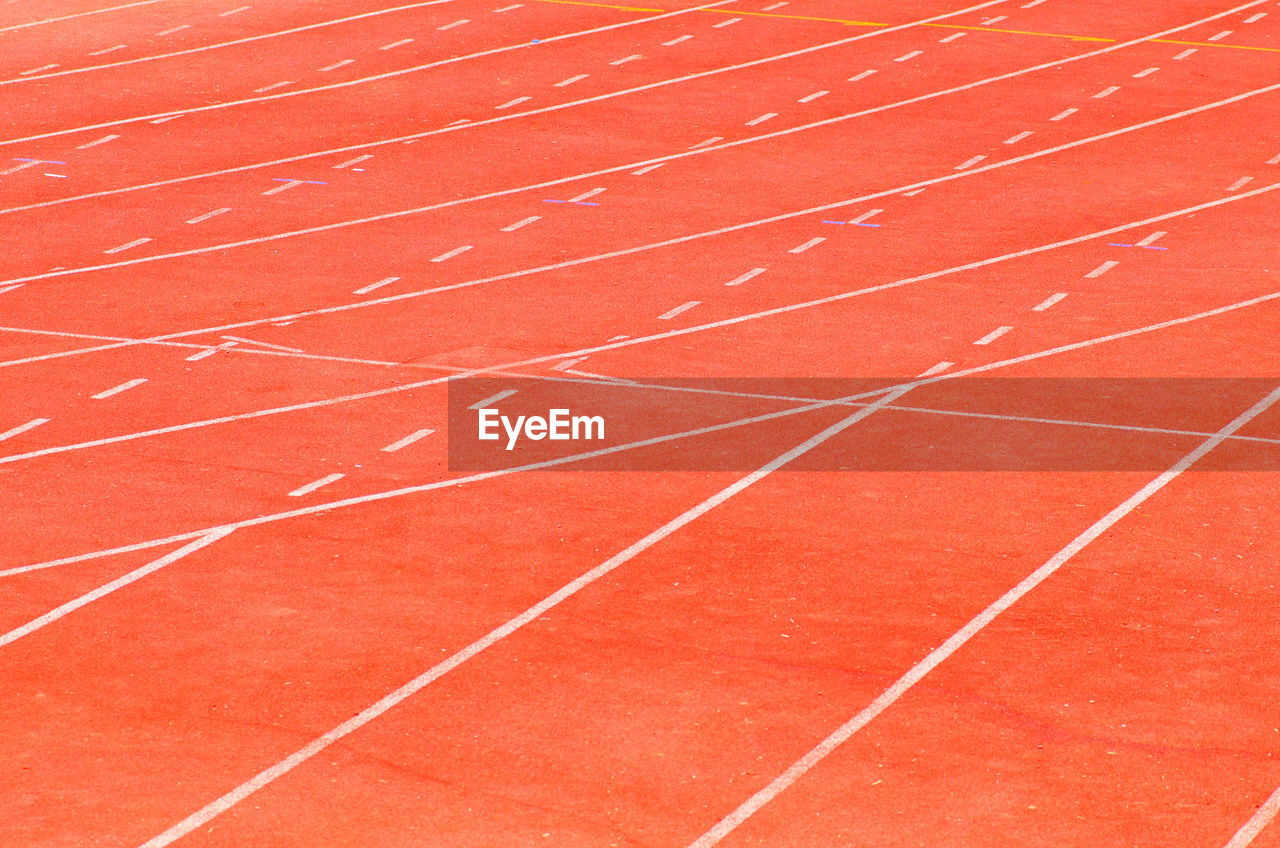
(337, 65)
(993, 335)
(263, 344)
(518, 224)
(119, 583)
(760, 120)
(490, 401)
(571, 80)
(355, 161)
(22, 428)
(128, 245)
(936, 369)
(626, 59)
(108, 50)
(39, 69)
(452, 253)
(1240, 183)
(1219, 36)
(673, 42)
(866, 216)
(1102, 269)
(1185, 53)
(178, 28)
(395, 44)
(1257, 822)
(1151, 239)
(407, 440)
(684, 307)
(641, 171)
(206, 216)
(706, 141)
(316, 484)
(1106, 92)
(726, 23)
(969, 163)
(123, 387)
(808, 98)
(1049, 301)
(962, 636)
(952, 37)
(754, 272)
(1148, 72)
(801, 248)
(273, 85)
(103, 140)
(379, 284)
(533, 613)
(586, 194)
(1064, 113)
(231, 12)
(1014, 139)
(514, 102)
(207, 352)
(911, 55)
(861, 75)
(454, 24)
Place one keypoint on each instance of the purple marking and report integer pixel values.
(860, 224)
(835, 222)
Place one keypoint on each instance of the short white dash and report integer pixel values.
(456, 123)
(280, 84)
(801, 248)
(178, 28)
(1240, 183)
(673, 42)
(1048, 301)
(402, 42)
(684, 307)
(1148, 72)
(906, 56)
(760, 120)
(285, 185)
(1252, 19)
(626, 59)
(337, 65)
(231, 12)
(1014, 139)
(571, 80)
(1151, 239)
(566, 364)
(11, 288)
(952, 37)
(1185, 53)
(123, 387)
(937, 369)
(969, 163)
(518, 224)
(311, 487)
(993, 21)
(811, 97)
(861, 75)
(108, 50)
(646, 169)
(59, 176)
(866, 216)
(618, 338)
(512, 7)
(754, 272)
(95, 143)
(455, 24)
(22, 428)
(993, 335)
(514, 102)
(1274, 160)
(912, 193)
(407, 440)
(1106, 92)
(207, 352)
(206, 216)
(355, 161)
(706, 141)
(725, 23)
(38, 70)
(774, 6)
(1065, 113)
(385, 281)
(592, 193)
(1102, 269)
(1220, 35)
(452, 253)
(1031, 5)
(490, 401)
(127, 245)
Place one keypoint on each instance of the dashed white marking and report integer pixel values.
(284, 186)
(1220, 35)
(450, 124)
(592, 193)
(1106, 92)
(760, 120)
(337, 65)
(684, 307)
(22, 428)
(511, 228)
(1151, 239)
(59, 176)
(490, 401)
(726, 23)
(673, 42)
(1253, 19)
(754, 272)
(127, 245)
(801, 248)
(969, 163)
(39, 69)
(385, 281)
(108, 50)
(862, 75)
(355, 161)
(954, 36)
(774, 6)
(1031, 5)
(1185, 53)
(454, 24)
(626, 59)
(1240, 183)
(20, 166)
(1049, 301)
(1146, 73)
(1257, 822)
(641, 171)
(1014, 139)
(1102, 269)
(402, 42)
(206, 216)
(993, 21)
(452, 253)
(936, 369)
(811, 97)
(12, 287)
(1065, 113)
(407, 440)
(571, 80)
(866, 216)
(123, 387)
(512, 7)
(706, 141)
(908, 56)
(204, 354)
(231, 12)
(568, 363)
(178, 28)
(514, 102)
(912, 193)
(96, 142)
(993, 335)
(273, 85)
(316, 484)
(1274, 160)
(618, 338)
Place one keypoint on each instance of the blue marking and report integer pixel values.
(555, 201)
(1114, 244)
(835, 222)
(1143, 246)
(585, 203)
(287, 180)
(868, 225)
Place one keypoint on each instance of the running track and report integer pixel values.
(249, 246)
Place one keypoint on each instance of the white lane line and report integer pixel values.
(396, 44)
(207, 352)
(571, 80)
(1252, 19)
(993, 21)
(1185, 53)
(337, 65)
(95, 143)
(1014, 139)
(273, 86)
(1151, 239)
(452, 253)
(801, 248)
(127, 245)
(231, 12)
(809, 98)
(962, 636)
(108, 50)
(568, 363)
(285, 185)
(969, 163)
(586, 194)
(954, 36)
(1031, 5)
(774, 6)
(726, 23)
(908, 56)
(1257, 822)
(490, 401)
(30, 163)
(684, 307)
(263, 344)
(1240, 183)
(123, 387)
(866, 216)
(1219, 36)
(10, 288)
(178, 28)
(754, 272)
(510, 8)
(385, 281)
(454, 24)
(355, 161)
(861, 75)
(39, 69)
(1274, 160)
(1102, 269)
(407, 440)
(1106, 92)
(206, 216)
(936, 369)
(673, 42)
(646, 169)
(316, 484)
(760, 120)
(511, 228)
(993, 335)
(1049, 301)
(59, 176)
(706, 141)
(1146, 73)
(107, 588)
(626, 59)
(22, 428)
(517, 101)
(1064, 114)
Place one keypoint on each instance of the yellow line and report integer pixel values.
(1020, 32)
(738, 12)
(604, 6)
(1214, 44)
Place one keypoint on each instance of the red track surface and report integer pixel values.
(794, 658)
